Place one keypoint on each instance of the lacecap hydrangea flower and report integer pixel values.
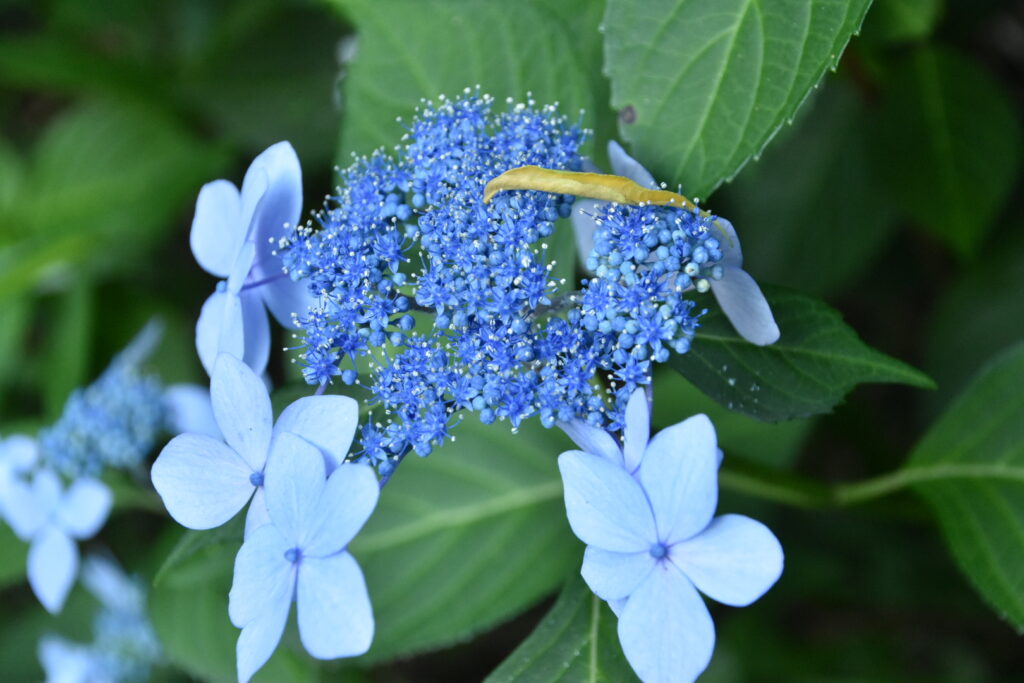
(235, 236)
(737, 293)
(113, 422)
(409, 233)
(204, 481)
(300, 554)
(646, 513)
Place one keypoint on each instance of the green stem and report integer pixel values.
(790, 489)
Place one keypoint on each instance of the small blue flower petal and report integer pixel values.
(625, 165)
(84, 508)
(52, 566)
(217, 231)
(746, 307)
(259, 637)
(637, 431)
(335, 615)
(679, 475)
(593, 440)
(612, 575)
(202, 482)
(241, 406)
(263, 577)
(295, 480)
(606, 507)
(665, 629)
(327, 422)
(734, 561)
(346, 503)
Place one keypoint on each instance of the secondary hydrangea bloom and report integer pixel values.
(204, 481)
(301, 553)
(234, 236)
(653, 542)
(124, 646)
(113, 422)
(737, 293)
(50, 518)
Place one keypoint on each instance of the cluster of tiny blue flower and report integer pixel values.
(506, 339)
(113, 422)
(124, 646)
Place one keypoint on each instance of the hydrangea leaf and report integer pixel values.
(789, 211)
(198, 638)
(808, 371)
(970, 467)
(982, 314)
(551, 50)
(87, 200)
(12, 557)
(899, 21)
(948, 143)
(467, 539)
(702, 87)
(575, 641)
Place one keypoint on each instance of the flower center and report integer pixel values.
(658, 550)
(256, 479)
(293, 555)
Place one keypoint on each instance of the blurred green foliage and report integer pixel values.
(895, 196)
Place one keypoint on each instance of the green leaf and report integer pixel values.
(576, 641)
(412, 49)
(13, 554)
(67, 365)
(948, 143)
(774, 444)
(105, 182)
(970, 467)
(197, 636)
(808, 371)
(978, 317)
(466, 538)
(293, 98)
(187, 563)
(813, 198)
(897, 21)
(703, 86)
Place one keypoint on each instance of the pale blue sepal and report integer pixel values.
(734, 561)
(327, 422)
(679, 474)
(335, 616)
(605, 505)
(614, 576)
(591, 439)
(665, 629)
(52, 566)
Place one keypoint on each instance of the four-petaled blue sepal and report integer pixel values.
(301, 554)
(204, 481)
(646, 514)
(235, 236)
